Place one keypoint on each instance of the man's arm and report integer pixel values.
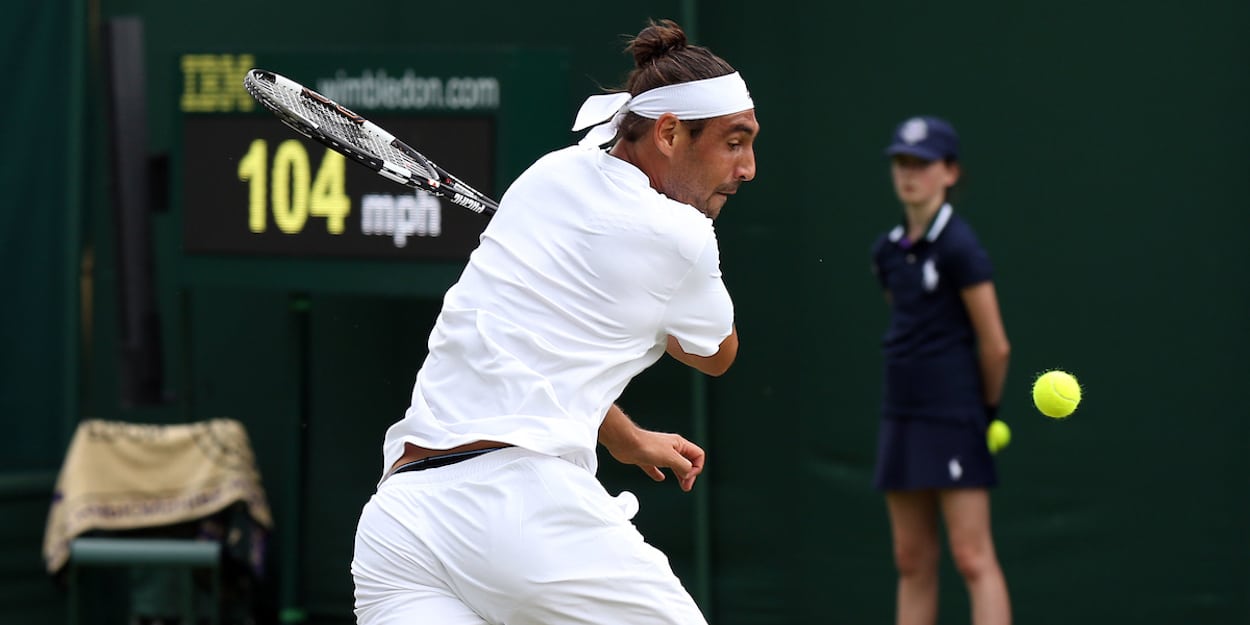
(713, 365)
(651, 451)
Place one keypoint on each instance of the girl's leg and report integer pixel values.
(914, 525)
(967, 514)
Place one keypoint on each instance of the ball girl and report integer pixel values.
(945, 354)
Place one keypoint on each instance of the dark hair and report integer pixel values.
(662, 56)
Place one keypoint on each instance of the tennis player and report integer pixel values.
(946, 358)
(598, 263)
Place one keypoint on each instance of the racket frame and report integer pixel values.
(421, 174)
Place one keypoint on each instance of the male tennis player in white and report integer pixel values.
(597, 263)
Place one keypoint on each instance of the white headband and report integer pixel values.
(697, 99)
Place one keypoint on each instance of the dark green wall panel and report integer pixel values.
(39, 233)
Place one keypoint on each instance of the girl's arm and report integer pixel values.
(993, 349)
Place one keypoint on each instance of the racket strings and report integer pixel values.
(313, 115)
(328, 120)
(345, 129)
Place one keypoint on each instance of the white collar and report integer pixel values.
(940, 220)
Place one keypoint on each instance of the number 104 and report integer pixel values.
(285, 187)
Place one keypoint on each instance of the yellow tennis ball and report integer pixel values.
(1056, 394)
(997, 436)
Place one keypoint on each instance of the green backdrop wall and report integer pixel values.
(1104, 172)
(40, 227)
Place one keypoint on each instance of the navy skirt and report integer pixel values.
(920, 454)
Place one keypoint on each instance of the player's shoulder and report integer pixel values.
(627, 204)
(564, 158)
(565, 169)
(685, 230)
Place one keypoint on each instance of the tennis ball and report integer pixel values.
(1056, 394)
(997, 436)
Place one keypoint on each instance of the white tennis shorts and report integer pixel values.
(511, 537)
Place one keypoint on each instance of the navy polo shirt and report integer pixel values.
(931, 364)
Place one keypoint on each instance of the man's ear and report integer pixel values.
(664, 133)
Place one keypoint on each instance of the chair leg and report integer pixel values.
(216, 605)
(188, 596)
(72, 574)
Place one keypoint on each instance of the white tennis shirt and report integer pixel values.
(576, 283)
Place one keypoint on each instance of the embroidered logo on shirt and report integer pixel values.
(957, 471)
(930, 275)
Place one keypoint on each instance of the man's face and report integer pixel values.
(706, 170)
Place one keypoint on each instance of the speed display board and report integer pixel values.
(248, 187)
(251, 185)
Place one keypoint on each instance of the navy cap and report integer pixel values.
(930, 138)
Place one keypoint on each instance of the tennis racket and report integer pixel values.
(320, 118)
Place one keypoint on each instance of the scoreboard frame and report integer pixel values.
(256, 204)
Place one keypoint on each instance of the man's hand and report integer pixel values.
(653, 451)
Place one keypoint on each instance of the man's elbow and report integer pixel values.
(718, 364)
